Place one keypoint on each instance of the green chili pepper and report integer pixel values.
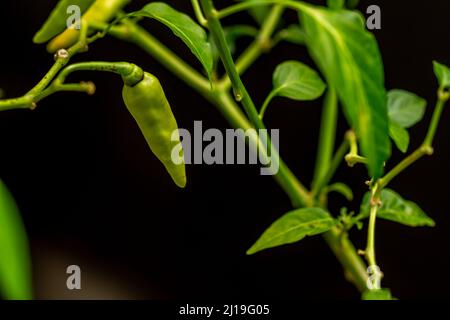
(99, 11)
(148, 105)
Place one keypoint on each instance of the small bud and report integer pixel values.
(61, 54)
(90, 88)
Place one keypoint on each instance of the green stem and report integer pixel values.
(257, 47)
(426, 148)
(375, 203)
(198, 13)
(354, 267)
(370, 250)
(442, 99)
(86, 87)
(334, 165)
(131, 74)
(243, 6)
(28, 101)
(240, 92)
(266, 104)
(326, 137)
(405, 163)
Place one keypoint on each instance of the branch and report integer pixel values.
(62, 57)
(426, 148)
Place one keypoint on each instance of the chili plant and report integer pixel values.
(349, 77)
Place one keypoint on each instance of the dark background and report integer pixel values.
(92, 194)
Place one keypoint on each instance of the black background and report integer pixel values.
(92, 194)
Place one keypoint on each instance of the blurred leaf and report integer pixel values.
(183, 27)
(381, 294)
(443, 74)
(15, 273)
(57, 21)
(348, 56)
(293, 34)
(399, 135)
(405, 108)
(297, 81)
(397, 209)
(293, 227)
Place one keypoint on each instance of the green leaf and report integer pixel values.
(294, 80)
(381, 294)
(397, 209)
(399, 135)
(405, 108)
(183, 27)
(15, 273)
(443, 74)
(342, 189)
(259, 13)
(57, 21)
(348, 56)
(293, 34)
(293, 227)
(336, 4)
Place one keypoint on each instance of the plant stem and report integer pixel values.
(257, 47)
(427, 146)
(334, 165)
(86, 87)
(198, 13)
(28, 101)
(326, 137)
(266, 104)
(370, 250)
(243, 6)
(241, 94)
(375, 203)
(354, 268)
(405, 163)
(442, 99)
(240, 91)
(131, 74)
